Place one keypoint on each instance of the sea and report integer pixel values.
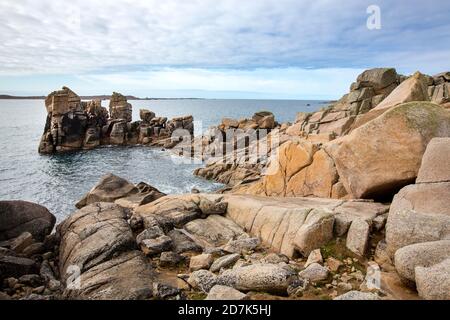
(59, 181)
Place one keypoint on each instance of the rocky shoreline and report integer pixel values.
(350, 203)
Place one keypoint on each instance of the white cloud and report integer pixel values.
(49, 36)
(255, 46)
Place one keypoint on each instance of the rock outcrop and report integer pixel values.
(73, 124)
(370, 88)
(385, 154)
(290, 225)
(284, 225)
(98, 256)
(390, 112)
(373, 161)
(439, 88)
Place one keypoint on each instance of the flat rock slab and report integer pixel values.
(179, 209)
(11, 266)
(287, 225)
(357, 295)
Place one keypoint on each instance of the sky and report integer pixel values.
(263, 49)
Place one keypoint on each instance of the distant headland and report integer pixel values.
(101, 97)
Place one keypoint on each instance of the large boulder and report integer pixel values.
(377, 78)
(412, 89)
(358, 237)
(435, 165)
(425, 254)
(397, 141)
(146, 115)
(17, 217)
(292, 157)
(299, 169)
(258, 277)
(108, 189)
(420, 212)
(433, 283)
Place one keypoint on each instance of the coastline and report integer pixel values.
(331, 218)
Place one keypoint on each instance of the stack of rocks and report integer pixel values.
(66, 122)
(119, 108)
(370, 88)
(73, 124)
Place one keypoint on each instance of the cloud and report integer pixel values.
(256, 46)
(79, 36)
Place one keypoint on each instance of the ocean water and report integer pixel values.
(59, 181)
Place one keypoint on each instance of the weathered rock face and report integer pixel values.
(119, 108)
(17, 217)
(66, 122)
(385, 154)
(73, 124)
(435, 165)
(439, 88)
(412, 89)
(97, 245)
